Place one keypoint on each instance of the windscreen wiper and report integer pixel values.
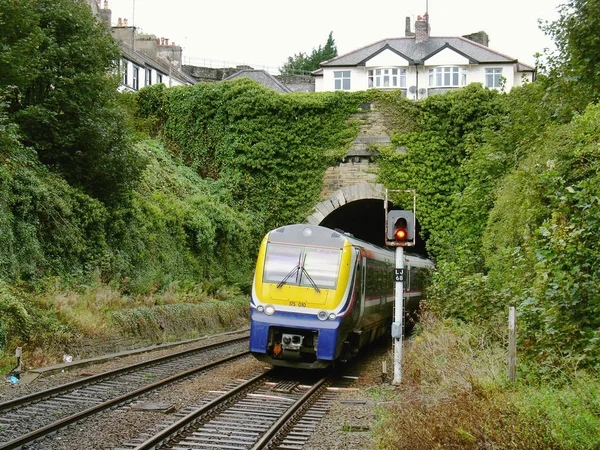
(292, 272)
(314, 285)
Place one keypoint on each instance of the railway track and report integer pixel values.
(262, 412)
(26, 419)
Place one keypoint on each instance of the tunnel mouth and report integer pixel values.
(365, 219)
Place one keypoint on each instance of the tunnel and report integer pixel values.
(365, 219)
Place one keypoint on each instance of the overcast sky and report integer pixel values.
(263, 33)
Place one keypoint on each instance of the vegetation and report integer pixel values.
(270, 151)
(508, 203)
(127, 214)
(455, 395)
(90, 204)
(302, 63)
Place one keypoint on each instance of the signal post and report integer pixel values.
(400, 233)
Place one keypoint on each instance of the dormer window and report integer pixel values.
(387, 78)
(447, 77)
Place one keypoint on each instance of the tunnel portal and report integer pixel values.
(364, 217)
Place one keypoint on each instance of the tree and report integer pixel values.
(301, 63)
(57, 68)
(574, 69)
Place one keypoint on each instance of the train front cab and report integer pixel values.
(302, 280)
(294, 340)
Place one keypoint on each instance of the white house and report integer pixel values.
(145, 59)
(148, 60)
(421, 65)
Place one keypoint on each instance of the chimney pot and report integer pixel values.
(422, 28)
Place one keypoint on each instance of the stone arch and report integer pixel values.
(343, 196)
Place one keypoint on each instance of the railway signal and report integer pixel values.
(400, 228)
(400, 233)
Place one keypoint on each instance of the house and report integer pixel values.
(145, 59)
(422, 65)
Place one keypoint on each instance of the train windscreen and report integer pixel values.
(302, 266)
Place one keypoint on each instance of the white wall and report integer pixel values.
(475, 74)
(387, 58)
(172, 81)
(447, 57)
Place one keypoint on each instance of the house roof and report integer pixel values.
(415, 52)
(263, 77)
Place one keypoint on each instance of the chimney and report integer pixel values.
(407, 32)
(481, 37)
(422, 28)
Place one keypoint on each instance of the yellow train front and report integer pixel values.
(320, 295)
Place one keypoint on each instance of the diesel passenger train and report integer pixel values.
(320, 295)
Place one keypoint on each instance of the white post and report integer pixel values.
(398, 315)
(512, 343)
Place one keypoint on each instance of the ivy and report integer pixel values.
(270, 150)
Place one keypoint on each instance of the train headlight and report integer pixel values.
(260, 308)
(322, 315)
(332, 316)
(269, 310)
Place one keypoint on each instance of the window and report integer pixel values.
(301, 266)
(124, 68)
(136, 79)
(447, 77)
(493, 78)
(159, 78)
(387, 78)
(341, 80)
(148, 80)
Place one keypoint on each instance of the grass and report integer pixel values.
(455, 395)
(56, 321)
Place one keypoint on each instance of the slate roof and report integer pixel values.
(415, 52)
(263, 77)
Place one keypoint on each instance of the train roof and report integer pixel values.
(315, 235)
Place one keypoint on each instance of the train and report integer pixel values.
(320, 295)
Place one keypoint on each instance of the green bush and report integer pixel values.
(569, 413)
(14, 319)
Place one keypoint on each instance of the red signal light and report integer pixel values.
(400, 234)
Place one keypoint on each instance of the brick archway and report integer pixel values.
(343, 196)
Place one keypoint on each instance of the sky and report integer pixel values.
(264, 33)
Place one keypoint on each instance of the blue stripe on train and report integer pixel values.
(328, 330)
